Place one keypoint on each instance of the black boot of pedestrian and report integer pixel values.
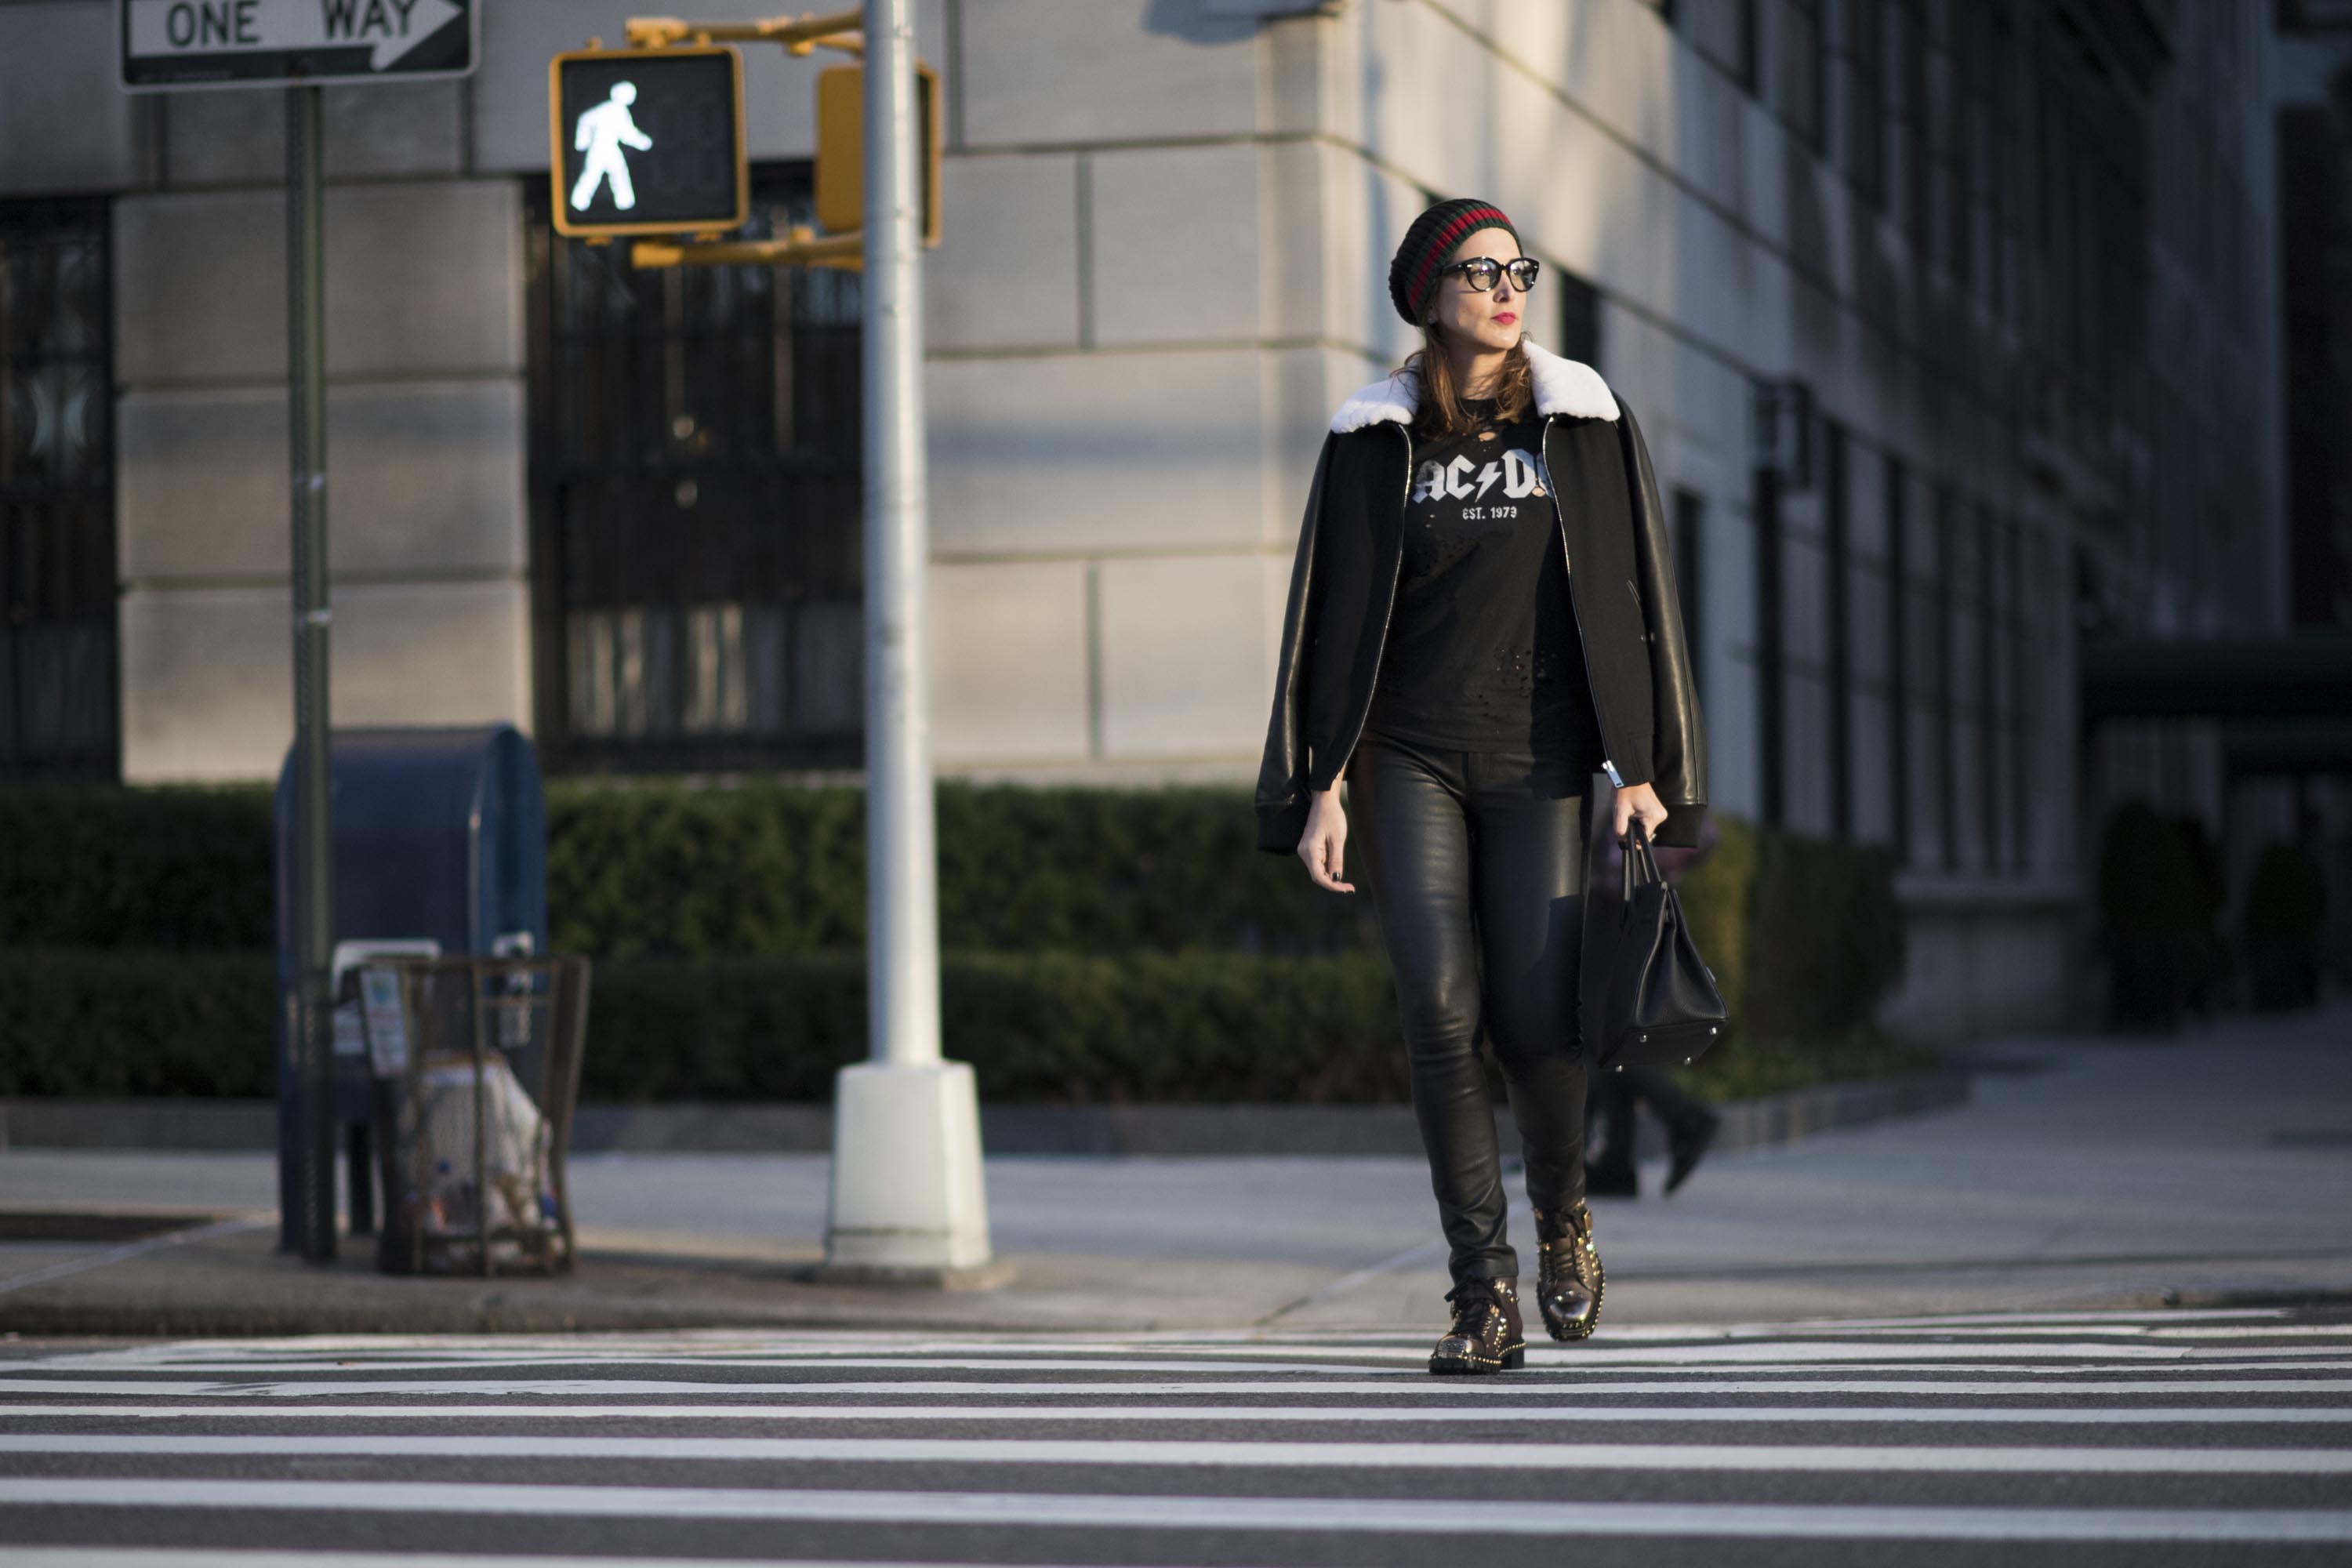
(1569, 1278)
(1485, 1334)
(1686, 1139)
(1611, 1179)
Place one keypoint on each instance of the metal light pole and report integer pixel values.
(907, 1196)
(306, 1158)
(901, 883)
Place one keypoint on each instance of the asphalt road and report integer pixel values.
(2047, 1438)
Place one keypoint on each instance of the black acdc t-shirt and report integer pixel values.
(1482, 650)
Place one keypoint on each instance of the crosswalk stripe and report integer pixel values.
(2248, 1315)
(1319, 1358)
(573, 1346)
(277, 1355)
(778, 1410)
(1348, 1514)
(1356, 1362)
(1223, 1453)
(1535, 1376)
(200, 1557)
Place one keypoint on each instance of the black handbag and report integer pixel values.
(1661, 1006)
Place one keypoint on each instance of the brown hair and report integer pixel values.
(1439, 411)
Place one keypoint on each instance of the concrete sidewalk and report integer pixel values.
(2216, 1166)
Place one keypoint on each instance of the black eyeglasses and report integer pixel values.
(1480, 272)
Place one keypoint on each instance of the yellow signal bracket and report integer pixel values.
(842, 30)
(840, 139)
(802, 246)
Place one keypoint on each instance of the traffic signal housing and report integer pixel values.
(841, 148)
(647, 141)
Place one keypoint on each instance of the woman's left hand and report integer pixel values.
(1640, 800)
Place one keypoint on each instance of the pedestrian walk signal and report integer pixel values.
(647, 141)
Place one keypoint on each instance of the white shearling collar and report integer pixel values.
(1562, 385)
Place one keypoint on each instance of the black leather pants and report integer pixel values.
(1475, 861)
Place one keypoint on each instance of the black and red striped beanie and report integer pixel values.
(1412, 275)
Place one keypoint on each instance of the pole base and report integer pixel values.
(984, 1276)
(906, 1193)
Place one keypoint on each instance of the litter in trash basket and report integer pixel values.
(517, 1145)
(478, 1068)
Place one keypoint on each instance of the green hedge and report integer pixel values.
(1054, 1027)
(1066, 1028)
(772, 870)
(1035, 1027)
(669, 870)
(109, 1021)
(1101, 943)
(1747, 1068)
(1804, 935)
(150, 868)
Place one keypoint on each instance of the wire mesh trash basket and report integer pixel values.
(477, 1068)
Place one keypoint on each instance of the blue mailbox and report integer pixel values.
(440, 835)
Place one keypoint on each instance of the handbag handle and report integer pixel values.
(1639, 860)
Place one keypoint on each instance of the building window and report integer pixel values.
(1947, 717)
(1800, 52)
(1579, 304)
(1771, 707)
(1898, 660)
(1991, 710)
(1722, 30)
(1864, 59)
(56, 494)
(1959, 166)
(2022, 666)
(1690, 579)
(696, 504)
(1839, 631)
(2007, 177)
(1957, 174)
(1907, 35)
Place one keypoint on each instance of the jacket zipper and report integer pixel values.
(1373, 690)
(1600, 709)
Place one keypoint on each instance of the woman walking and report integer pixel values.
(1482, 614)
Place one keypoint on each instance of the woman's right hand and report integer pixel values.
(1325, 839)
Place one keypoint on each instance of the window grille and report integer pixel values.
(695, 487)
(58, 648)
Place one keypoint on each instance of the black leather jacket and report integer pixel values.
(1621, 580)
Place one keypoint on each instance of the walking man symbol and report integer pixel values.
(602, 132)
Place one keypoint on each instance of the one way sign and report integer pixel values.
(271, 43)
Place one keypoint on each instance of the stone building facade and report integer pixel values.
(2014, 260)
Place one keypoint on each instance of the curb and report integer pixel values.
(1159, 1130)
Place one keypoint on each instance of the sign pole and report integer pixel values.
(306, 339)
(292, 46)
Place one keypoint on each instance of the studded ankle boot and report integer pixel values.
(1568, 1272)
(1484, 1336)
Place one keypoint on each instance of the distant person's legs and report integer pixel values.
(1611, 1173)
(1690, 1125)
